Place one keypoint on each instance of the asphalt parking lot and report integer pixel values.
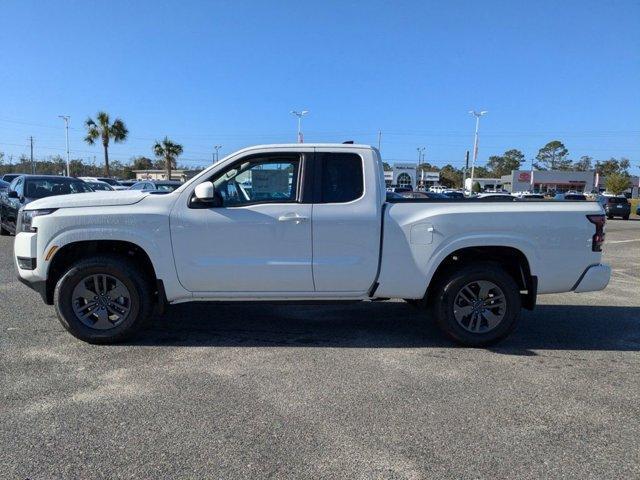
(359, 391)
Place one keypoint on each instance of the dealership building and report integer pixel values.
(406, 175)
(549, 181)
(559, 181)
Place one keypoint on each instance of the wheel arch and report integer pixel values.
(513, 260)
(74, 251)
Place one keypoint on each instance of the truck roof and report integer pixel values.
(313, 145)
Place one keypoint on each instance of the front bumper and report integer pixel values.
(39, 286)
(594, 278)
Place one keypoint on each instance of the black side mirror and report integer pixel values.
(12, 194)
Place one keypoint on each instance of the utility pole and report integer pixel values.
(33, 167)
(217, 154)
(475, 142)
(420, 180)
(466, 168)
(66, 128)
(379, 139)
(299, 115)
(533, 186)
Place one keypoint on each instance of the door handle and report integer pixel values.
(292, 217)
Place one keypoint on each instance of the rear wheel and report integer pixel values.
(103, 299)
(477, 305)
(626, 217)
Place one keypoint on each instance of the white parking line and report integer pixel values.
(623, 241)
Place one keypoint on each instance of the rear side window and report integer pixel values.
(341, 178)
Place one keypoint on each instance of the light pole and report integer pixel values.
(475, 143)
(299, 115)
(217, 148)
(419, 171)
(66, 128)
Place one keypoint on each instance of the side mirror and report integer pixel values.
(205, 196)
(205, 192)
(12, 194)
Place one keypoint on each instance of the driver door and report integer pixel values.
(259, 240)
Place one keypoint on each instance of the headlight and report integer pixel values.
(28, 215)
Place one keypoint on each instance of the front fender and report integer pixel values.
(149, 232)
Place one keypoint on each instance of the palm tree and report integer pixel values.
(169, 152)
(105, 131)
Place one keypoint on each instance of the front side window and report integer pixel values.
(259, 180)
(342, 178)
(16, 185)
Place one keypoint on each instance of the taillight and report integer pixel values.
(598, 237)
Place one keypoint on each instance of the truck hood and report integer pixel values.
(93, 199)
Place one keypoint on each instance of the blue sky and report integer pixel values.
(207, 73)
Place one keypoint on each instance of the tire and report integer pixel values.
(449, 304)
(626, 218)
(610, 217)
(3, 231)
(118, 318)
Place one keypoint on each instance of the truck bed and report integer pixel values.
(419, 233)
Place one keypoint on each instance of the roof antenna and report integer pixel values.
(348, 142)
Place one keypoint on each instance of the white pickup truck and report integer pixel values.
(303, 222)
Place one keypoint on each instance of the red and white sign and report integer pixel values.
(524, 177)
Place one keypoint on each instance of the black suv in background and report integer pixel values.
(617, 207)
(26, 188)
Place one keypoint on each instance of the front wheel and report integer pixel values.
(103, 299)
(477, 305)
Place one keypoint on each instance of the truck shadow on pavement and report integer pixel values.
(383, 325)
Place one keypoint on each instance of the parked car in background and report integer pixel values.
(160, 186)
(496, 197)
(638, 210)
(453, 194)
(111, 181)
(4, 185)
(8, 177)
(400, 189)
(531, 196)
(393, 196)
(24, 189)
(98, 186)
(431, 195)
(617, 207)
(570, 196)
(128, 183)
